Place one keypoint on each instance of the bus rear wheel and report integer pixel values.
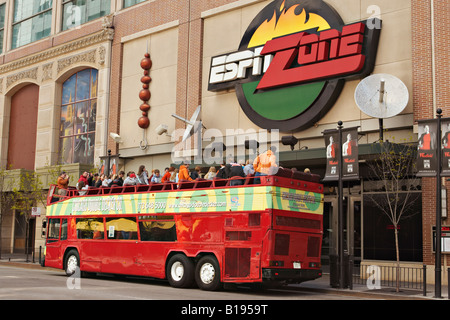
(180, 271)
(207, 274)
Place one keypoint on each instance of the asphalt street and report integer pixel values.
(53, 284)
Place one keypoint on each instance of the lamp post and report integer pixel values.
(341, 212)
(437, 268)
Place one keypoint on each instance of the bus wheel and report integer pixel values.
(207, 274)
(72, 262)
(180, 271)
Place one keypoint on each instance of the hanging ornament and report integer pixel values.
(144, 94)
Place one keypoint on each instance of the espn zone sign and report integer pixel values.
(290, 81)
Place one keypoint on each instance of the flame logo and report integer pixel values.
(287, 23)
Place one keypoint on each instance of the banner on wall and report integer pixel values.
(426, 149)
(350, 154)
(445, 127)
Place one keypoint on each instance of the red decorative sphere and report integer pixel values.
(144, 107)
(146, 79)
(144, 95)
(143, 122)
(146, 63)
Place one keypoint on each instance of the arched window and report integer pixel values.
(78, 111)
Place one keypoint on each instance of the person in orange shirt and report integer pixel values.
(263, 164)
(167, 174)
(63, 183)
(184, 172)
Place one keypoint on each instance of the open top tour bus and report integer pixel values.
(203, 231)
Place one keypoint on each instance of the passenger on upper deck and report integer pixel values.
(184, 172)
(63, 183)
(84, 177)
(237, 170)
(195, 174)
(131, 179)
(82, 188)
(221, 174)
(156, 178)
(118, 180)
(167, 174)
(264, 162)
(142, 175)
(211, 173)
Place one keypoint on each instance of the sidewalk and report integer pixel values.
(319, 285)
(323, 285)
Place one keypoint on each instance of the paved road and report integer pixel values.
(52, 284)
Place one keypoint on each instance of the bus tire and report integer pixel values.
(207, 274)
(71, 262)
(180, 271)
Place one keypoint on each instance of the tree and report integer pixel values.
(6, 201)
(394, 169)
(27, 195)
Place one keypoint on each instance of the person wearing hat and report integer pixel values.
(63, 183)
(131, 179)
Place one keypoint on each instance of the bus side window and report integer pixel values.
(64, 229)
(53, 230)
(157, 230)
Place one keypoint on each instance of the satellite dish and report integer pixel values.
(381, 96)
(190, 123)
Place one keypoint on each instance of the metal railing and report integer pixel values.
(411, 278)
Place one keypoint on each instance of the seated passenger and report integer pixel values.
(131, 179)
(156, 178)
(82, 189)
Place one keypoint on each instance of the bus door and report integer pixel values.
(56, 236)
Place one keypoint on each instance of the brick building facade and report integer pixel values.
(431, 90)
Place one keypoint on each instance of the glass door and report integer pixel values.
(353, 234)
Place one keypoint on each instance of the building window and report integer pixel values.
(129, 3)
(2, 25)
(77, 12)
(78, 112)
(32, 21)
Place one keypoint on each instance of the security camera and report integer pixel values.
(115, 137)
(161, 129)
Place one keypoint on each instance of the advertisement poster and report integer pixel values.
(333, 150)
(426, 149)
(445, 127)
(350, 153)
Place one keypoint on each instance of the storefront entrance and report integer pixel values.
(352, 228)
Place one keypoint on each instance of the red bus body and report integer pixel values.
(257, 232)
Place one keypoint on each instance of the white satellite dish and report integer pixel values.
(381, 96)
(190, 123)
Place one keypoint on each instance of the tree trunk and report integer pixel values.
(26, 239)
(397, 251)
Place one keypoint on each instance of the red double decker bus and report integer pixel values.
(204, 232)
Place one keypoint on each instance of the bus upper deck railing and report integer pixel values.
(283, 178)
